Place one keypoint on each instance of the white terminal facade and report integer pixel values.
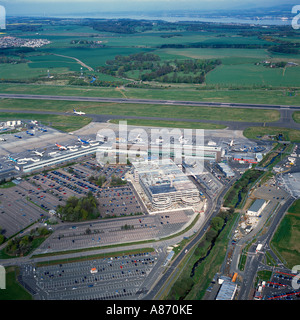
(165, 184)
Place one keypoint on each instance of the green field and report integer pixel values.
(24, 71)
(186, 93)
(296, 116)
(13, 291)
(238, 48)
(286, 240)
(256, 132)
(249, 74)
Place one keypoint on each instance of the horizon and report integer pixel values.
(94, 7)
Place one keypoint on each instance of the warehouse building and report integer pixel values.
(257, 207)
(227, 290)
(244, 158)
(226, 170)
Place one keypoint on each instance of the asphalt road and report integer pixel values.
(214, 207)
(254, 259)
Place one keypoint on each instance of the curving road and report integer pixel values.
(214, 206)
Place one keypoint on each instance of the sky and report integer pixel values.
(50, 7)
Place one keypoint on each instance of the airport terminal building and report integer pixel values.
(165, 184)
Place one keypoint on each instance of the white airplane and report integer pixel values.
(182, 140)
(2, 139)
(80, 113)
(231, 143)
(137, 139)
(61, 147)
(38, 153)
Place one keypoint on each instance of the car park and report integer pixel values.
(75, 281)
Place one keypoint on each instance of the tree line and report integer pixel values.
(79, 209)
(151, 68)
(21, 246)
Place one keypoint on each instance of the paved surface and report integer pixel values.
(285, 111)
(144, 101)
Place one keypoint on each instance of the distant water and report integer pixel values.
(177, 18)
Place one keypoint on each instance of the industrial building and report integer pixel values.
(242, 158)
(227, 290)
(257, 207)
(226, 170)
(165, 184)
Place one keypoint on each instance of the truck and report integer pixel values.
(258, 248)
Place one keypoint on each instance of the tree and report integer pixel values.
(217, 223)
(210, 234)
(2, 238)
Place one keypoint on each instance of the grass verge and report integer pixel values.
(286, 239)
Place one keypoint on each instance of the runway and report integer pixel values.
(286, 120)
(146, 101)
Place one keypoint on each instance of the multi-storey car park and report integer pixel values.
(165, 184)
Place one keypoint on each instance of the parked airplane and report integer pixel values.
(19, 137)
(182, 140)
(231, 143)
(2, 139)
(12, 159)
(61, 147)
(30, 133)
(80, 113)
(137, 139)
(83, 141)
(39, 153)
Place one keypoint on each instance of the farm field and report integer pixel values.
(234, 74)
(239, 49)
